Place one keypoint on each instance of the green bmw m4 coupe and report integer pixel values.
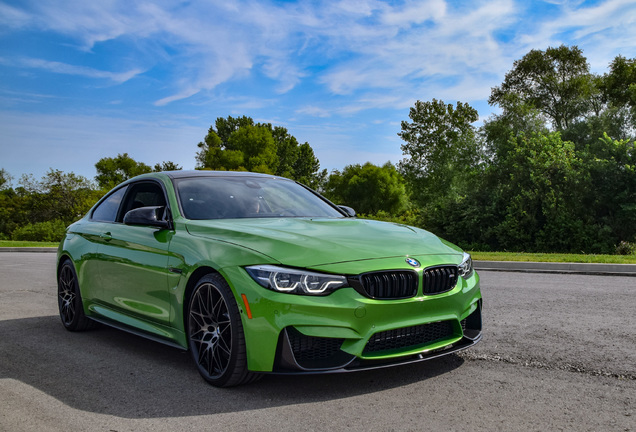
(259, 274)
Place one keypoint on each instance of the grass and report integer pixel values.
(554, 257)
(12, 243)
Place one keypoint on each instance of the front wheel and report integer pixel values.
(69, 300)
(215, 333)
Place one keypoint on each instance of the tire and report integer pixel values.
(69, 300)
(215, 333)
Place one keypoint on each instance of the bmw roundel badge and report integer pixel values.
(413, 262)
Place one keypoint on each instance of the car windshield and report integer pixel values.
(248, 197)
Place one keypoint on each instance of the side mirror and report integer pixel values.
(348, 211)
(151, 216)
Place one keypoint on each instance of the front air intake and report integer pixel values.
(437, 280)
(409, 337)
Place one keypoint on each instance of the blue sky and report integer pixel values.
(81, 80)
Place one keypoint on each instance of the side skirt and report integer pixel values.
(137, 332)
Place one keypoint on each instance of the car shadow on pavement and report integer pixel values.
(108, 371)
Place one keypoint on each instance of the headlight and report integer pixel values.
(294, 281)
(466, 267)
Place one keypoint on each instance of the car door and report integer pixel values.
(134, 262)
(100, 221)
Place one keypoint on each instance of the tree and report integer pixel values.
(287, 151)
(249, 148)
(58, 196)
(5, 179)
(442, 149)
(13, 212)
(610, 189)
(368, 188)
(226, 127)
(536, 182)
(556, 81)
(167, 166)
(306, 168)
(112, 171)
(214, 153)
(558, 170)
(619, 84)
(618, 88)
(519, 119)
(241, 144)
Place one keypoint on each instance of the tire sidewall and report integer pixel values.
(78, 306)
(236, 330)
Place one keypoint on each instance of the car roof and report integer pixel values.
(206, 173)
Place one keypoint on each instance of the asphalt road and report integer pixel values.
(559, 353)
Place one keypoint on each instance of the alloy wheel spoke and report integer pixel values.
(66, 295)
(210, 330)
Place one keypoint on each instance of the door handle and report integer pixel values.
(106, 236)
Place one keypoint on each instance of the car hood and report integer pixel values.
(308, 242)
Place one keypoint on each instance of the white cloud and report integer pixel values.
(314, 111)
(375, 54)
(12, 17)
(602, 30)
(62, 68)
(415, 12)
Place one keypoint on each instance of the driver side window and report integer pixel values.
(143, 195)
(106, 211)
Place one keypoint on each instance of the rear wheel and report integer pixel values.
(215, 333)
(69, 300)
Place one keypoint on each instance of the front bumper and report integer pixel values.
(300, 354)
(346, 331)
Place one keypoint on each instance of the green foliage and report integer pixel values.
(535, 189)
(5, 179)
(626, 248)
(610, 187)
(409, 217)
(58, 195)
(556, 81)
(239, 144)
(167, 166)
(619, 84)
(368, 188)
(112, 171)
(250, 148)
(536, 176)
(441, 147)
(306, 168)
(13, 211)
(519, 119)
(49, 231)
(543, 195)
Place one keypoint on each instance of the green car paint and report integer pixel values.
(141, 277)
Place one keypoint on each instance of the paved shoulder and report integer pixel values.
(543, 267)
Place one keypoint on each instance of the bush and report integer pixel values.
(407, 218)
(49, 231)
(625, 248)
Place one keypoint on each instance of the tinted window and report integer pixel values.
(143, 195)
(248, 197)
(106, 211)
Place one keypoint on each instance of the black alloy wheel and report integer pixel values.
(215, 333)
(69, 299)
